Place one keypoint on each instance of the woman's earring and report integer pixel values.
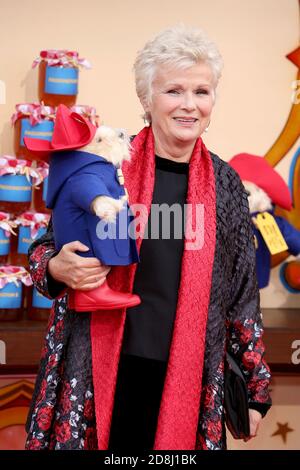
(206, 129)
(147, 119)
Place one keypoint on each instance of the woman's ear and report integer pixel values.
(145, 105)
(147, 115)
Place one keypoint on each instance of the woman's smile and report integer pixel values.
(185, 121)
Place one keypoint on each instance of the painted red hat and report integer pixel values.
(71, 131)
(258, 171)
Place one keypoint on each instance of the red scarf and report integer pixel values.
(180, 403)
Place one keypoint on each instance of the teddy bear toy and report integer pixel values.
(85, 189)
(265, 189)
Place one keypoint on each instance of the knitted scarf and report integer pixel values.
(180, 403)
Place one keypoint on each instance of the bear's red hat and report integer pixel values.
(258, 171)
(71, 131)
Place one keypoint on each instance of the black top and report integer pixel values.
(148, 327)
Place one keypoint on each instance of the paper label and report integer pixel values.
(15, 188)
(25, 240)
(42, 130)
(270, 232)
(61, 80)
(11, 295)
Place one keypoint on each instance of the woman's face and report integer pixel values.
(182, 102)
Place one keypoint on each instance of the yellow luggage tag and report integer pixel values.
(270, 232)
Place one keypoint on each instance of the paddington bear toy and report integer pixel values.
(266, 188)
(85, 187)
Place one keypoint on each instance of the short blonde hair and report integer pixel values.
(178, 47)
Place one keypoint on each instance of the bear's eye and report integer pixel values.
(99, 140)
(121, 135)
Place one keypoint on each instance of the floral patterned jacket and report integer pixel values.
(62, 412)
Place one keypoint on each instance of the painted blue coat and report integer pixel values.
(75, 179)
(263, 256)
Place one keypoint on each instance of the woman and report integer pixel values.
(153, 377)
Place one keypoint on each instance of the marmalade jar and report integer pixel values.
(12, 291)
(31, 120)
(31, 226)
(15, 184)
(58, 76)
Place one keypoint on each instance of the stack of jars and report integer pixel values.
(23, 182)
(19, 227)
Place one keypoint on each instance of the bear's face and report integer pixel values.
(258, 199)
(111, 144)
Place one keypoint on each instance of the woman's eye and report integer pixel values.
(173, 92)
(202, 91)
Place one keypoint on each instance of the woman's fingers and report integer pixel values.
(69, 251)
(75, 246)
(90, 285)
(90, 280)
(77, 271)
(89, 272)
(82, 262)
(254, 419)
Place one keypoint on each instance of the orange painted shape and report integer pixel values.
(11, 393)
(294, 57)
(13, 416)
(12, 438)
(288, 136)
(292, 274)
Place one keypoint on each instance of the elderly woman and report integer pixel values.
(153, 377)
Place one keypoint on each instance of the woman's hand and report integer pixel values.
(255, 418)
(76, 271)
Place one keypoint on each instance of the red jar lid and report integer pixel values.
(61, 58)
(14, 274)
(36, 112)
(34, 220)
(88, 112)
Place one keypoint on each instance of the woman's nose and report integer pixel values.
(188, 102)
